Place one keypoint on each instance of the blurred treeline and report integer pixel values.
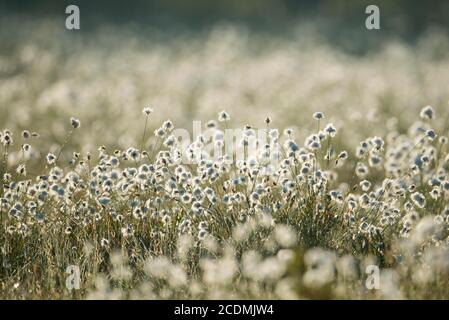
(342, 22)
(404, 16)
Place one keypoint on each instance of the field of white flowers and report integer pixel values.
(89, 180)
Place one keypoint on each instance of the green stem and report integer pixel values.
(144, 133)
(67, 139)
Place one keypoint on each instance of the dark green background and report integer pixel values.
(407, 17)
(342, 22)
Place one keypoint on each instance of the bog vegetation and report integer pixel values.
(89, 180)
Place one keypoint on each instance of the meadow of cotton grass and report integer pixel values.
(90, 180)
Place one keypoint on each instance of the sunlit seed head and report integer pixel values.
(7, 177)
(318, 115)
(268, 120)
(21, 169)
(435, 193)
(6, 138)
(375, 160)
(377, 143)
(202, 234)
(128, 230)
(408, 206)
(202, 225)
(322, 135)
(289, 132)
(168, 126)
(330, 130)
(427, 113)
(361, 170)
(314, 145)
(186, 198)
(360, 152)
(75, 123)
(211, 124)
(25, 134)
(418, 199)
(365, 185)
(51, 158)
(147, 111)
(160, 133)
(364, 227)
(431, 135)
(104, 243)
(133, 154)
(343, 155)
(223, 116)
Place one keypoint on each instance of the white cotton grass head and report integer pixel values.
(6, 138)
(343, 155)
(268, 120)
(330, 130)
(211, 124)
(427, 113)
(168, 126)
(104, 243)
(431, 135)
(442, 140)
(223, 116)
(418, 199)
(51, 158)
(318, 115)
(289, 132)
(365, 185)
(21, 170)
(26, 148)
(231, 229)
(147, 111)
(75, 123)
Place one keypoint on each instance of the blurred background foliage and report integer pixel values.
(341, 21)
(197, 57)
